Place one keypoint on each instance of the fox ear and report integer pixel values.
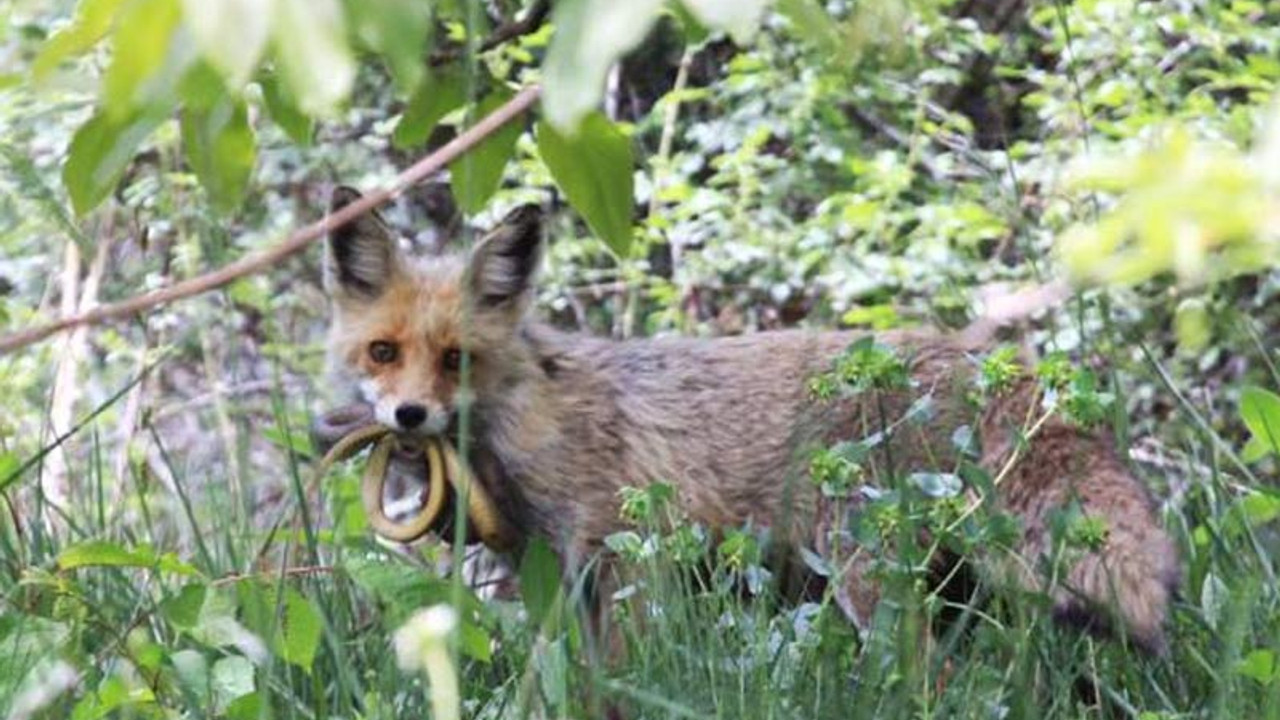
(361, 255)
(504, 261)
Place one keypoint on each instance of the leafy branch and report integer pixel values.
(298, 241)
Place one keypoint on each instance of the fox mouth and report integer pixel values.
(406, 486)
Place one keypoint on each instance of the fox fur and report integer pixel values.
(562, 422)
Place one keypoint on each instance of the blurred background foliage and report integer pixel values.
(801, 163)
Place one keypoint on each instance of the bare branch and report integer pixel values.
(299, 240)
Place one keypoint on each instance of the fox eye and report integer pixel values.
(383, 352)
(452, 360)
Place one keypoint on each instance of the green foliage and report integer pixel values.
(477, 175)
(851, 164)
(864, 365)
(1195, 210)
(1000, 368)
(1260, 410)
(593, 167)
(437, 94)
(220, 148)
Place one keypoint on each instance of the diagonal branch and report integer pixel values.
(299, 240)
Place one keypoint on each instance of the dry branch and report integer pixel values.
(299, 240)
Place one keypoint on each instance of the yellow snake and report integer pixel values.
(445, 472)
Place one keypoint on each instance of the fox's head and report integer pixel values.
(401, 326)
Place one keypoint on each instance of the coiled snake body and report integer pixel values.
(348, 430)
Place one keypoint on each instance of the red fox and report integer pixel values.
(561, 422)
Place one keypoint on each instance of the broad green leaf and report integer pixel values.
(104, 553)
(590, 36)
(1213, 599)
(1260, 508)
(1259, 665)
(218, 627)
(476, 642)
(439, 93)
(1260, 410)
(594, 169)
(192, 671)
(230, 34)
(406, 592)
(312, 52)
(938, 485)
(1255, 449)
(739, 18)
(9, 465)
(476, 175)
(142, 68)
(1191, 323)
(93, 20)
(247, 707)
(539, 581)
(183, 609)
(112, 696)
(812, 22)
(284, 111)
(231, 678)
(398, 31)
(300, 633)
(100, 151)
(220, 148)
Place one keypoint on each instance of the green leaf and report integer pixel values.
(284, 111)
(247, 707)
(231, 678)
(437, 95)
(1259, 665)
(477, 175)
(300, 634)
(1260, 410)
(183, 609)
(9, 465)
(938, 485)
(812, 23)
(1260, 508)
(312, 51)
(539, 581)
(93, 20)
(594, 169)
(1192, 325)
(220, 148)
(142, 68)
(231, 36)
(476, 642)
(406, 592)
(398, 31)
(100, 151)
(104, 553)
(590, 36)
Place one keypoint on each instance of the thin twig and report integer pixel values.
(531, 21)
(299, 240)
(290, 572)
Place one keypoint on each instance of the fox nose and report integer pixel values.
(410, 416)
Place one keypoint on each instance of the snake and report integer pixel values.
(351, 429)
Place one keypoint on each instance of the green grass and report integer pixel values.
(176, 599)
